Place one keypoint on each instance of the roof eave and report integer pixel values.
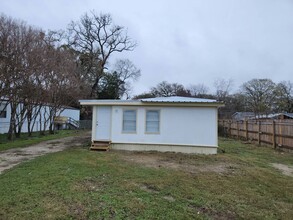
(139, 103)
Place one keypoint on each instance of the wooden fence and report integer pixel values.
(278, 133)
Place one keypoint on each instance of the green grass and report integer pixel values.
(82, 184)
(25, 141)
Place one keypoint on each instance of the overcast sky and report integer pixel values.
(186, 41)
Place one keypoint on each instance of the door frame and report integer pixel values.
(108, 110)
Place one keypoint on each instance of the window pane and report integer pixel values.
(129, 121)
(2, 114)
(152, 121)
(2, 111)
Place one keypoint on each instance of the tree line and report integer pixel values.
(260, 96)
(56, 68)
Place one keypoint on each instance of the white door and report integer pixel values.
(103, 123)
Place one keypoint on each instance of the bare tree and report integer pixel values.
(127, 73)
(223, 88)
(60, 85)
(16, 41)
(260, 95)
(34, 71)
(198, 90)
(126, 70)
(95, 38)
(4, 31)
(284, 92)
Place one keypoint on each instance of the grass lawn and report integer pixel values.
(25, 141)
(80, 184)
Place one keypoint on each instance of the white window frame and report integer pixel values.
(126, 131)
(159, 121)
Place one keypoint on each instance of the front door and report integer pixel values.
(103, 123)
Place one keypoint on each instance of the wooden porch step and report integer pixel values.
(100, 145)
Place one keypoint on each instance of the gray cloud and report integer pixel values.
(185, 41)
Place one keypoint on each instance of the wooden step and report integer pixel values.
(100, 145)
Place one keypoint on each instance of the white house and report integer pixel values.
(176, 124)
(40, 120)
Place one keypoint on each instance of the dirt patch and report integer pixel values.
(78, 210)
(175, 161)
(12, 157)
(286, 170)
(169, 198)
(89, 185)
(149, 188)
(220, 215)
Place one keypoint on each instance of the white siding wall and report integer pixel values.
(195, 126)
(71, 113)
(4, 122)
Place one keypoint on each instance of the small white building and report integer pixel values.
(177, 124)
(42, 116)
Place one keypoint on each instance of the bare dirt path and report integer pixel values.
(13, 157)
(286, 170)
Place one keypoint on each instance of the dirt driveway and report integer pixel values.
(12, 157)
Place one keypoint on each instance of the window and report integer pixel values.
(152, 121)
(2, 111)
(129, 121)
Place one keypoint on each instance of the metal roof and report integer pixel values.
(275, 115)
(289, 115)
(43, 103)
(165, 101)
(108, 101)
(178, 99)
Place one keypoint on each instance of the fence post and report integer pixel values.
(246, 129)
(274, 134)
(280, 133)
(259, 132)
(229, 128)
(225, 127)
(237, 127)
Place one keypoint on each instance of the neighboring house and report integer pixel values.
(242, 116)
(41, 118)
(177, 124)
(280, 116)
(285, 116)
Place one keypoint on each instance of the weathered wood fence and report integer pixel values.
(278, 133)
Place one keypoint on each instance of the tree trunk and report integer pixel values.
(11, 130)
